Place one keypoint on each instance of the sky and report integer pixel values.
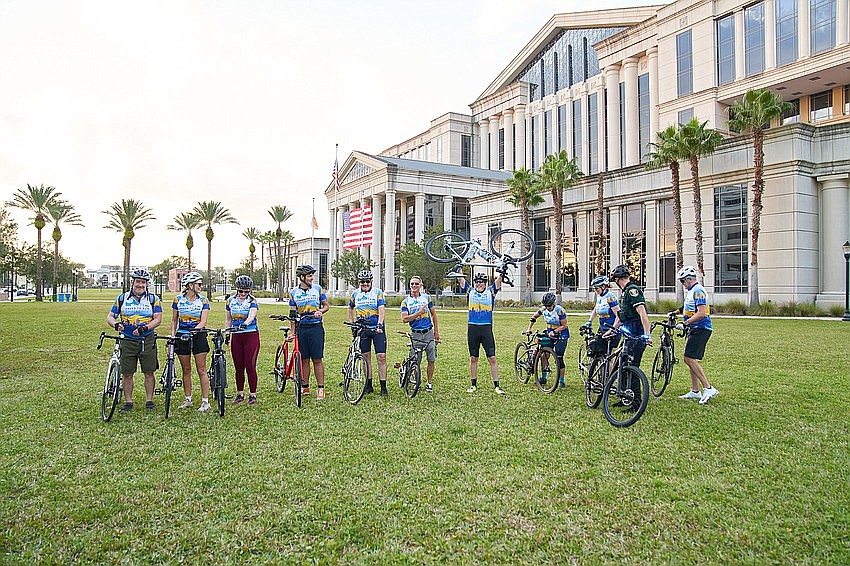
(241, 102)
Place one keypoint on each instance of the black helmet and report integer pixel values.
(479, 277)
(244, 282)
(364, 275)
(305, 269)
(620, 272)
(548, 299)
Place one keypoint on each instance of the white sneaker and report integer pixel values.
(707, 394)
(499, 391)
(472, 389)
(691, 395)
(187, 404)
(205, 406)
(429, 388)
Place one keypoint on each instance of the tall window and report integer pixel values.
(666, 247)
(501, 148)
(466, 151)
(730, 239)
(820, 106)
(634, 242)
(684, 64)
(594, 248)
(822, 21)
(433, 211)
(623, 124)
(685, 116)
(541, 254)
(547, 132)
(754, 39)
(577, 130)
(792, 115)
(460, 216)
(846, 100)
(786, 32)
(643, 115)
(562, 127)
(593, 132)
(569, 254)
(535, 150)
(726, 50)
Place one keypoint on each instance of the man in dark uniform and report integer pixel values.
(632, 313)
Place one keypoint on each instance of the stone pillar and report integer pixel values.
(770, 34)
(803, 31)
(616, 236)
(740, 67)
(651, 235)
(448, 201)
(494, 143)
(484, 130)
(612, 83)
(841, 19)
(519, 112)
(376, 238)
(585, 274)
(419, 217)
(508, 115)
(652, 54)
(389, 243)
(630, 71)
(528, 161)
(402, 212)
(835, 230)
(332, 252)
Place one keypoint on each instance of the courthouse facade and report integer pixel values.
(599, 85)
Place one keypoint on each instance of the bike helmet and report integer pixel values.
(364, 275)
(140, 273)
(600, 281)
(548, 299)
(687, 272)
(191, 277)
(305, 269)
(479, 277)
(620, 272)
(244, 282)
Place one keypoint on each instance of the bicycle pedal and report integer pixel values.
(158, 391)
(177, 383)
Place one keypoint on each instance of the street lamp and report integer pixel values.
(846, 249)
(76, 274)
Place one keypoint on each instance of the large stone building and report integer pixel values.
(600, 85)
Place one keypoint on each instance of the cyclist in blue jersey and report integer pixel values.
(556, 330)
(308, 300)
(606, 308)
(696, 313)
(242, 311)
(368, 303)
(418, 311)
(189, 311)
(481, 299)
(135, 314)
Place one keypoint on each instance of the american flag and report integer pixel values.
(357, 228)
(336, 174)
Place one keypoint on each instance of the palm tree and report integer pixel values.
(558, 173)
(287, 238)
(695, 141)
(36, 200)
(754, 112)
(524, 193)
(126, 217)
(211, 213)
(665, 153)
(186, 221)
(60, 211)
(279, 214)
(266, 239)
(252, 234)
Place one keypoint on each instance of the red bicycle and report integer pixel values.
(287, 360)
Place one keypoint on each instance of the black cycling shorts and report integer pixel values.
(478, 335)
(695, 346)
(197, 345)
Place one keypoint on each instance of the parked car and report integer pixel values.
(21, 293)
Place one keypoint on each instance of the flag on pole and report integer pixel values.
(315, 222)
(336, 169)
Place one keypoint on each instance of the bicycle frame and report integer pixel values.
(113, 386)
(218, 383)
(168, 380)
(413, 359)
(291, 356)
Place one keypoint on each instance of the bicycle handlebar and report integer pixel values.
(623, 331)
(104, 335)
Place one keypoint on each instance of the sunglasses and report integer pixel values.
(242, 291)
(362, 282)
(415, 284)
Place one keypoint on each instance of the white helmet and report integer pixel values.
(191, 277)
(687, 272)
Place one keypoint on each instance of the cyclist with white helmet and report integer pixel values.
(189, 311)
(606, 308)
(242, 311)
(556, 330)
(309, 301)
(481, 299)
(696, 313)
(135, 314)
(368, 303)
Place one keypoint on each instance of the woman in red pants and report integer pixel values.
(245, 342)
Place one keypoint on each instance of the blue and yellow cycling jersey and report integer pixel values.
(365, 305)
(695, 297)
(412, 304)
(554, 318)
(239, 312)
(132, 311)
(189, 312)
(480, 304)
(307, 302)
(605, 304)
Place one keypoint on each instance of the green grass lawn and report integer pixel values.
(758, 475)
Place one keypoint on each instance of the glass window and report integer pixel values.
(541, 254)
(634, 242)
(754, 39)
(643, 115)
(577, 130)
(666, 247)
(562, 127)
(433, 210)
(726, 50)
(792, 115)
(786, 32)
(730, 239)
(466, 151)
(822, 22)
(593, 133)
(685, 116)
(547, 132)
(684, 64)
(569, 254)
(460, 216)
(820, 106)
(535, 151)
(594, 249)
(501, 148)
(846, 100)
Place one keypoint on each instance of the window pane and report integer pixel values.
(754, 39)
(643, 115)
(731, 239)
(725, 50)
(593, 132)
(822, 25)
(684, 64)
(577, 129)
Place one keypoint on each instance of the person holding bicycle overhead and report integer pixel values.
(245, 341)
(309, 302)
(189, 311)
(479, 330)
(632, 312)
(695, 312)
(556, 329)
(418, 311)
(368, 303)
(135, 315)
(606, 309)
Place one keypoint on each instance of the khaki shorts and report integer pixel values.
(132, 358)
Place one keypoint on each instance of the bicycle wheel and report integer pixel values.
(523, 362)
(584, 361)
(296, 377)
(354, 381)
(221, 382)
(515, 243)
(448, 247)
(662, 368)
(111, 391)
(280, 357)
(168, 385)
(593, 384)
(545, 378)
(625, 404)
(413, 379)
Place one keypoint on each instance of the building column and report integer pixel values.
(508, 115)
(402, 213)
(332, 252)
(519, 112)
(652, 54)
(612, 83)
(770, 34)
(484, 131)
(529, 163)
(616, 236)
(494, 143)
(389, 243)
(740, 67)
(630, 70)
(803, 31)
(419, 217)
(583, 256)
(364, 253)
(650, 224)
(835, 230)
(376, 237)
(841, 19)
(448, 201)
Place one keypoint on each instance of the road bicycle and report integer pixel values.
(507, 247)
(218, 366)
(287, 361)
(356, 370)
(168, 381)
(532, 357)
(665, 358)
(621, 382)
(113, 386)
(410, 369)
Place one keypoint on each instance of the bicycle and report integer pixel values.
(665, 358)
(218, 366)
(168, 380)
(532, 358)
(113, 386)
(451, 247)
(356, 369)
(588, 365)
(410, 369)
(287, 365)
(621, 406)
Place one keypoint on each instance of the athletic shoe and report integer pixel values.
(691, 395)
(305, 391)
(252, 399)
(561, 383)
(368, 389)
(126, 408)
(205, 406)
(150, 406)
(543, 378)
(707, 394)
(455, 272)
(499, 391)
(472, 389)
(320, 394)
(238, 399)
(384, 391)
(187, 404)
(429, 388)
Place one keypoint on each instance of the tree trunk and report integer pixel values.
(127, 243)
(697, 213)
(279, 267)
(758, 190)
(209, 262)
(557, 241)
(677, 223)
(526, 227)
(39, 293)
(55, 266)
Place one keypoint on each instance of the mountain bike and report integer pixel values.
(532, 358)
(287, 361)
(620, 401)
(355, 370)
(113, 386)
(218, 366)
(590, 361)
(506, 248)
(665, 358)
(410, 369)
(168, 381)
